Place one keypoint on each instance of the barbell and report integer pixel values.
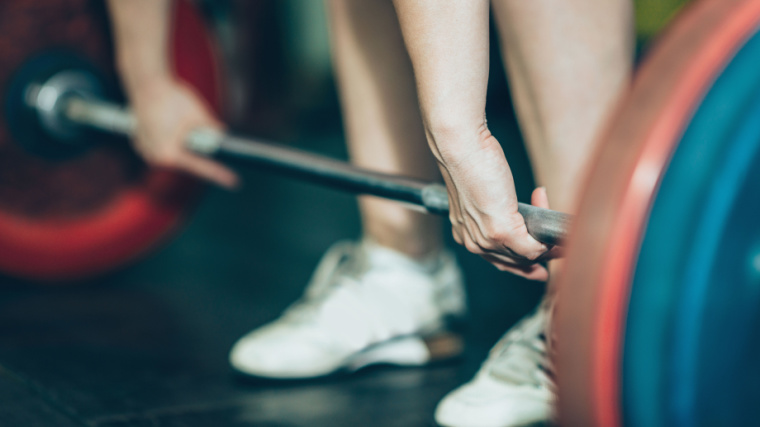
(58, 97)
(73, 102)
(657, 320)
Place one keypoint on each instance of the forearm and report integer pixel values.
(141, 39)
(448, 46)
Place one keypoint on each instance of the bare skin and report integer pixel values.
(166, 108)
(448, 46)
(383, 124)
(382, 120)
(569, 61)
(565, 82)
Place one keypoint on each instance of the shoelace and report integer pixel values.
(520, 357)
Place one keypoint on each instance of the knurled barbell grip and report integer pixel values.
(545, 225)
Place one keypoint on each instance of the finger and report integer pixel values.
(521, 243)
(553, 253)
(509, 259)
(539, 198)
(455, 231)
(207, 169)
(535, 272)
(517, 245)
(470, 244)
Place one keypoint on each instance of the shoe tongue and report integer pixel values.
(522, 351)
(380, 256)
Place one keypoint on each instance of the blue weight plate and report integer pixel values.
(714, 374)
(690, 309)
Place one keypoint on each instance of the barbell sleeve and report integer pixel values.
(545, 225)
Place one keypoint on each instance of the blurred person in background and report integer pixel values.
(412, 77)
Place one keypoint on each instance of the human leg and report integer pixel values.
(568, 63)
(382, 120)
(389, 298)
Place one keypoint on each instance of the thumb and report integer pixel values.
(539, 198)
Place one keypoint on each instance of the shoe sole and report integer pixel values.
(408, 351)
(405, 351)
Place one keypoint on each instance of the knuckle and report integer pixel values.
(498, 237)
(515, 225)
(513, 236)
(486, 243)
(456, 220)
(502, 230)
(457, 235)
(166, 156)
(534, 256)
(471, 246)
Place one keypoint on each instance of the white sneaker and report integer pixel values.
(514, 386)
(364, 305)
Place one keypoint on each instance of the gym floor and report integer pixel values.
(147, 346)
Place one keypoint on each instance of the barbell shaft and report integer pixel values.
(545, 225)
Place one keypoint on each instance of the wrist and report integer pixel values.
(141, 88)
(138, 71)
(453, 141)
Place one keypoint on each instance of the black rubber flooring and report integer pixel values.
(148, 346)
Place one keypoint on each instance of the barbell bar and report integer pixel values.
(67, 98)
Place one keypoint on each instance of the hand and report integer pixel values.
(483, 208)
(166, 111)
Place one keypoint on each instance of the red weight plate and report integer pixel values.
(75, 218)
(632, 158)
